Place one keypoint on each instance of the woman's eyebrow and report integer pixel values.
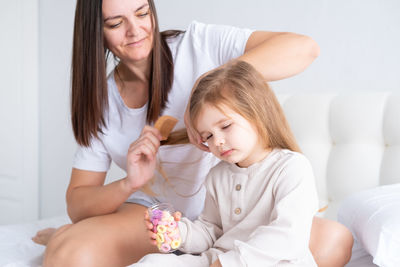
(119, 16)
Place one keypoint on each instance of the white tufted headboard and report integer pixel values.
(352, 141)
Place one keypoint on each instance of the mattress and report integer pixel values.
(18, 250)
(16, 247)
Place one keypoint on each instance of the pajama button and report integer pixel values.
(238, 187)
(238, 211)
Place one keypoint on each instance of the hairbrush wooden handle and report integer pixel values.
(165, 124)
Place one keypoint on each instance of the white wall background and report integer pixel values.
(19, 115)
(360, 50)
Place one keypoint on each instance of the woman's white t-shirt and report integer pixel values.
(201, 48)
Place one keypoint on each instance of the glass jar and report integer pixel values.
(165, 225)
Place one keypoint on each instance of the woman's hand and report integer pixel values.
(141, 158)
(216, 263)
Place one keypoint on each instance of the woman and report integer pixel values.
(110, 118)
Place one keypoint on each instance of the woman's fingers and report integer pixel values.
(147, 144)
(149, 134)
(153, 130)
(143, 152)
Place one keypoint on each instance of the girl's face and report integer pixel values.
(128, 30)
(229, 136)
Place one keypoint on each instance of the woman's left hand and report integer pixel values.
(216, 263)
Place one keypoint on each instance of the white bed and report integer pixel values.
(16, 246)
(353, 143)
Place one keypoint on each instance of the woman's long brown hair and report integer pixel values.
(89, 95)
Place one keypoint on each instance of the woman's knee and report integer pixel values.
(344, 243)
(65, 250)
(331, 243)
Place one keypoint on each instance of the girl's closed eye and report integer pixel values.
(226, 125)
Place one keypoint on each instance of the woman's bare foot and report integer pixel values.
(42, 237)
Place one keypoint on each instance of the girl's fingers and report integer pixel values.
(152, 235)
(195, 139)
(152, 240)
(147, 220)
(177, 216)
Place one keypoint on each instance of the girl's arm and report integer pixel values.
(201, 234)
(278, 55)
(87, 195)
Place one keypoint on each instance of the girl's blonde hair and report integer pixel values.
(239, 86)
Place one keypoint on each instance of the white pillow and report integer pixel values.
(373, 216)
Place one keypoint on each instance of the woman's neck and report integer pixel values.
(137, 71)
(133, 83)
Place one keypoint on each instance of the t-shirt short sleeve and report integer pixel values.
(223, 43)
(92, 158)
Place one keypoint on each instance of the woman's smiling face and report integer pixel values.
(128, 29)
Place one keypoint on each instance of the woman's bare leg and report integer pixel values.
(117, 239)
(330, 243)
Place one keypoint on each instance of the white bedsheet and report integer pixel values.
(360, 257)
(18, 250)
(16, 247)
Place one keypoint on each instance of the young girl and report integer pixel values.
(261, 198)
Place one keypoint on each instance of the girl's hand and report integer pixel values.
(150, 227)
(177, 216)
(193, 135)
(141, 158)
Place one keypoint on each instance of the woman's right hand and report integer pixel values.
(141, 158)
